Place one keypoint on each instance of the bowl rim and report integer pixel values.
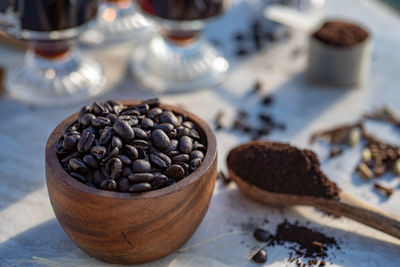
(53, 163)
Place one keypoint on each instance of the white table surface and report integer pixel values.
(31, 236)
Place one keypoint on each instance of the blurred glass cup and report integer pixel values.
(178, 59)
(118, 21)
(54, 71)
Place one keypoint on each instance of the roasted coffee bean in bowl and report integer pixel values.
(130, 182)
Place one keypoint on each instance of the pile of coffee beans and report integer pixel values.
(130, 149)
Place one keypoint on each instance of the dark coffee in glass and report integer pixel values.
(51, 15)
(182, 9)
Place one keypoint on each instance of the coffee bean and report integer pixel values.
(194, 134)
(175, 171)
(160, 139)
(154, 112)
(168, 117)
(173, 145)
(142, 154)
(86, 119)
(84, 110)
(77, 165)
(173, 153)
(170, 182)
(98, 152)
(99, 109)
(196, 154)
(142, 108)
(105, 135)
(141, 165)
(147, 123)
(185, 144)
(159, 181)
(139, 133)
(131, 151)
(124, 130)
(141, 177)
(78, 176)
(97, 177)
(160, 160)
(143, 144)
(166, 127)
(260, 257)
(126, 171)
(112, 117)
(172, 134)
(123, 185)
(85, 142)
(182, 132)
(132, 111)
(70, 141)
(185, 167)
(100, 122)
(125, 159)
(114, 168)
(91, 161)
(139, 188)
(108, 185)
(88, 130)
(181, 158)
(262, 235)
(116, 142)
(198, 146)
(195, 163)
(114, 152)
(189, 124)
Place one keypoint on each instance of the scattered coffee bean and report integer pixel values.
(260, 256)
(225, 179)
(262, 235)
(130, 149)
(386, 191)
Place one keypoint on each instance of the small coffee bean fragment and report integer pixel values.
(160, 139)
(141, 165)
(185, 144)
(262, 235)
(139, 188)
(260, 256)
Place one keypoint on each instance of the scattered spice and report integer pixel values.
(218, 120)
(386, 191)
(364, 171)
(336, 151)
(257, 88)
(385, 114)
(299, 169)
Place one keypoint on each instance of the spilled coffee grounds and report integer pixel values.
(340, 34)
(282, 168)
(311, 243)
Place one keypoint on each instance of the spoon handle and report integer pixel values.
(364, 213)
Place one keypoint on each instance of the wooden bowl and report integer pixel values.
(131, 228)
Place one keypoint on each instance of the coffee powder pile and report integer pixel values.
(282, 168)
(341, 34)
(311, 243)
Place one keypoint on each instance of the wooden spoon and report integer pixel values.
(347, 205)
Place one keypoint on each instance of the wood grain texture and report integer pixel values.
(131, 228)
(347, 206)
